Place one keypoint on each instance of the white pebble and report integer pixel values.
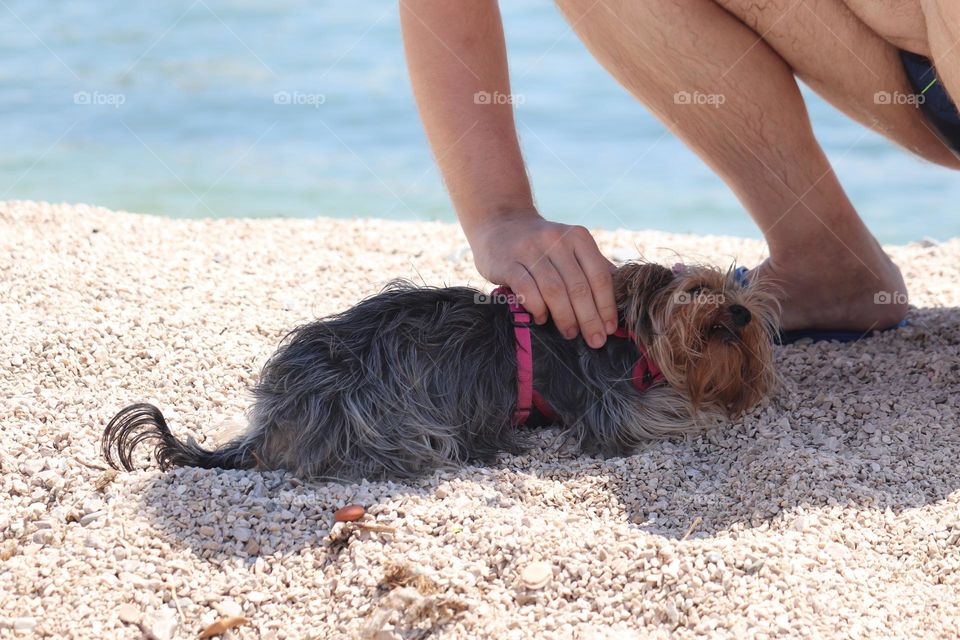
(536, 575)
(91, 517)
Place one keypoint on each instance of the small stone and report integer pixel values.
(44, 536)
(229, 609)
(162, 625)
(32, 467)
(91, 517)
(93, 504)
(536, 575)
(672, 570)
(256, 597)
(129, 613)
(754, 566)
(242, 534)
(799, 524)
(24, 624)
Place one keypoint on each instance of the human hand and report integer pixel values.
(555, 269)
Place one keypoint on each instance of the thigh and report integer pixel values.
(899, 22)
(847, 63)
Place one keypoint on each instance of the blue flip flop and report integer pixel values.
(817, 335)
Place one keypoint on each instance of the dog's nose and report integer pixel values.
(740, 315)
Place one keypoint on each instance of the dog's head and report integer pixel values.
(710, 335)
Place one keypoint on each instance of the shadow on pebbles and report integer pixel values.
(831, 511)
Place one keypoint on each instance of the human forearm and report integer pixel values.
(455, 53)
(455, 50)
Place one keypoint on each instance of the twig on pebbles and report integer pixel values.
(176, 603)
(92, 465)
(693, 525)
(382, 528)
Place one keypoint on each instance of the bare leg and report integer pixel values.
(759, 140)
(928, 27)
(843, 59)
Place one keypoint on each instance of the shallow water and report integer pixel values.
(213, 108)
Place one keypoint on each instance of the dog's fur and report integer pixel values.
(417, 378)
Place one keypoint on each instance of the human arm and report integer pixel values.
(455, 52)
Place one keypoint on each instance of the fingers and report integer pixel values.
(599, 273)
(556, 270)
(522, 283)
(580, 299)
(553, 289)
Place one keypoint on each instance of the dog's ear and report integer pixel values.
(635, 285)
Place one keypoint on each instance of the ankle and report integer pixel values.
(834, 292)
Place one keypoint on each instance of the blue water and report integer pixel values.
(169, 108)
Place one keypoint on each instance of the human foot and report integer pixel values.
(826, 293)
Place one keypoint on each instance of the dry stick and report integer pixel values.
(123, 535)
(382, 528)
(693, 525)
(176, 603)
(91, 465)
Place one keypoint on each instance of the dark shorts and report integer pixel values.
(934, 101)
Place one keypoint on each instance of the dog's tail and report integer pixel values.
(140, 422)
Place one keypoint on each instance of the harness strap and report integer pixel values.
(645, 374)
(521, 320)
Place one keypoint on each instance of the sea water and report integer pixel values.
(213, 108)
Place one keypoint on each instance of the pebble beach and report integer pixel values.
(831, 511)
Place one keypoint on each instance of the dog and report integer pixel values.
(419, 378)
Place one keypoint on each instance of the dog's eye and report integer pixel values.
(695, 290)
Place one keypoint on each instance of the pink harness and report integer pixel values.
(646, 373)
